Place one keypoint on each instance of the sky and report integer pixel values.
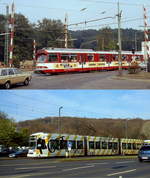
(132, 11)
(31, 104)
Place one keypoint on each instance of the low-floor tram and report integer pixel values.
(58, 60)
(58, 145)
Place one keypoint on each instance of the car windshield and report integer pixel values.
(145, 148)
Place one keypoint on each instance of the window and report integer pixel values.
(73, 144)
(79, 144)
(110, 145)
(73, 57)
(129, 146)
(91, 145)
(134, 146)
(52, 58)
(123, 145)
(90, 57)
(97, 145)
(3, 72)
(41, 144)
(104, 145)
(63, 144)
(32, 145)
(115, 146)
(16, 71)
(10, 72)
(41, 58)
(102, 57)
(65, 57)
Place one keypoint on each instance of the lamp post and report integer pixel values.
(59, 120)
(126, 128)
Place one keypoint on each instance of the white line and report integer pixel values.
(124, 162)
(78, 168)
(123, 172)
(95, 163)
(34, 167)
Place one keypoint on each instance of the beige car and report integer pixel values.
(11, 76)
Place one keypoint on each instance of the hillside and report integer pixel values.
(132, 128)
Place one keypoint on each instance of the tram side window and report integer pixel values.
(110, 145)
(104, 145)
(65, 57)
(41, 58)
(63, 144)
(115, 145)
(73, 144)
(124, 145)
(98, 146)
(90, 57)
(73, 57)
(102, 57)
(134, 146)
(52, 58)
(41, 143)
(123, 58)
(91, 145)
(79, 144)
(129, 146)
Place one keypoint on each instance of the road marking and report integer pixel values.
(95, 163)
(123, 172)
(34, 167)
(124, 162)
(84, 167)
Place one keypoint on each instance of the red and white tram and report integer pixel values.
(57, 60)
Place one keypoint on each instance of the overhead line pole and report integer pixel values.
(6, 53)
(119, 41)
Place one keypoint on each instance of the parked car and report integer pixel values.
(20, 153)
(6, 152)
(144, 153)
(11, 76)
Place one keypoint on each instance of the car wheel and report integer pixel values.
(26, 82)
(7, 85)
(140, 160)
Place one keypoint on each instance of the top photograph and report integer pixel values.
(77, 44)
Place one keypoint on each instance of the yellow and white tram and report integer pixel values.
(60, 145)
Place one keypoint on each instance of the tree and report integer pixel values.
(23, 39)
(48, 31)
(9, 136)
(7, 130)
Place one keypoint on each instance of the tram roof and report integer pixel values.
(73, 50)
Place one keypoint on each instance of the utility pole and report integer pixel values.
(119, 41)
(66, 30)
(34, 53)
(6, 52)
(135, 41)
(12, 34)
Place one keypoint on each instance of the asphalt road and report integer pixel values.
(18, 168)
(92, 80)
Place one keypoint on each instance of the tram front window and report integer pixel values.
(42, 58)
(32, 145)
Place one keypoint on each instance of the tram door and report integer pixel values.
(82, 61)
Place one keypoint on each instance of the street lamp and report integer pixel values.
(126, 128)
(59, 120)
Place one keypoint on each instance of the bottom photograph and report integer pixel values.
(74, 133)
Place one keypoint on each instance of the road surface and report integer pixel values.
(92, 80)
(18, 168)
